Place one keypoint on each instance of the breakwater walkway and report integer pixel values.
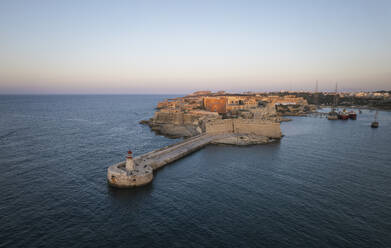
(138, 171)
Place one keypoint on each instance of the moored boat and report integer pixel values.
(332, 115)
(375, 123)
(343, 115)
(352, 115)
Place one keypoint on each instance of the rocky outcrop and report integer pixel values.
(175, 131)
(176, 124)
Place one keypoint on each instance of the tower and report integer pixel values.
(129, 162)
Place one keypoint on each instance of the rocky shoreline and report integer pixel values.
(171, 130)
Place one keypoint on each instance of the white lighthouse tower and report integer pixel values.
(129, 162)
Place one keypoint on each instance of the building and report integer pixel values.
(215, 104)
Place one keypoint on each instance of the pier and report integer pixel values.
(138, 171)
(141, 170)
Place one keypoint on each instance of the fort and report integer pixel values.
(204, 118)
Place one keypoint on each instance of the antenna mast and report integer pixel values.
(316, 95)
(336, 96)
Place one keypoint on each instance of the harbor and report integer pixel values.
(195, 124)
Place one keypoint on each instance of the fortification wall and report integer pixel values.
(161, 117)
(188, 119)
(257, 127)
(178, 118)
(168, 117)
(244, 126)
(181, 118)
(219, 126)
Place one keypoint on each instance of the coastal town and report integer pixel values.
(186, 116)
(206, 117)
(189, 115)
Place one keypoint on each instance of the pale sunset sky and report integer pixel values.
(163, 46)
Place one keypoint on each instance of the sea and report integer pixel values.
(324, 184)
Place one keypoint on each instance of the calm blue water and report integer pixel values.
(326, 184)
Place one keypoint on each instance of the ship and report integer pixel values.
(332, 115)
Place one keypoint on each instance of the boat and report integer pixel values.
(352, 115)
(343, 115)
(375, 123)
(332, 115)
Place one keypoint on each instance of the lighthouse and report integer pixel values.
(129, 162)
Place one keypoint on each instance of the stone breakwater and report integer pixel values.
(119, 176)
(234, 132)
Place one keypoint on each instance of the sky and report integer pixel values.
(164, 46)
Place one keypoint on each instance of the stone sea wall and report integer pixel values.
(257, 127)
(168, 117)
(244, 126)
(181, 118)
(175, 124)
(219, 126)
